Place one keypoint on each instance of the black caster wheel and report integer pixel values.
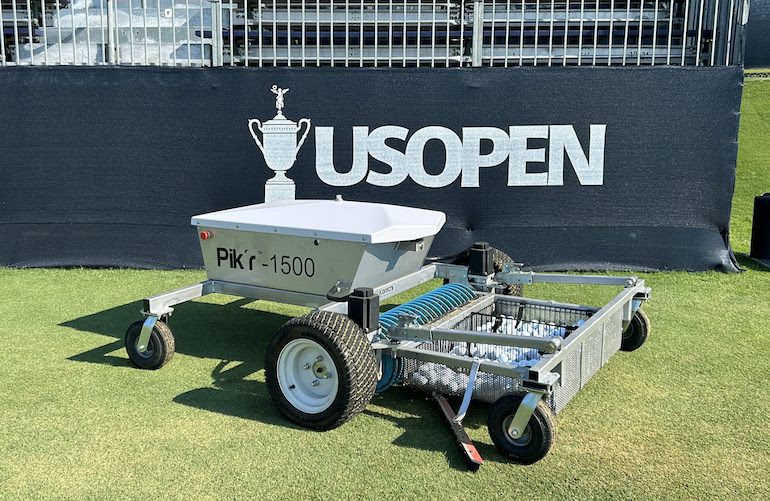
(636, 333)
(160, 347)
(534, 443)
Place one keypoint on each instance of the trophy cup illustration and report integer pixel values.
(279, 146)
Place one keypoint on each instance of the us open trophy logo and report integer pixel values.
(279, 147)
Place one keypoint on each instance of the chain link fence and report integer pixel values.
(372, 33)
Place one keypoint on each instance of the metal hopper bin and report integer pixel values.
(470, 338)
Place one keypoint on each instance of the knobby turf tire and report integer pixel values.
(637, 332)
(354, 362)
(538, 438)
(499, 258)
(160, 347)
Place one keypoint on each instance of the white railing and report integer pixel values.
(370, 32)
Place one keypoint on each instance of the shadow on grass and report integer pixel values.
(750, 264)
(225, 332)
(233, 394)
(235, 335)
(239, 337)
(424, 425)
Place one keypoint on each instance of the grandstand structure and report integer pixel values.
(372, 33)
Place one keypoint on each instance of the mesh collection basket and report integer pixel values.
(514, 315)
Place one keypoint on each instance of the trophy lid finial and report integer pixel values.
(279, 101)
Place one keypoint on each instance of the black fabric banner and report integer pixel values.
(562, 168)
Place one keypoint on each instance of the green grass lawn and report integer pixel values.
(753, 160)
(687, 416)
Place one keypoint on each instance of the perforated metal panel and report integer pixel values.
(613, 334)
(592, 356)
(570, 382)
(580, 365)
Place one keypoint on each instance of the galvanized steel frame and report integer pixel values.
(163, 304)
(544, 378)
(555, 351)
(405, 341)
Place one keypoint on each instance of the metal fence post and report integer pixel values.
(739, 38)
(111, 27)
(478, 32)
(216, 33)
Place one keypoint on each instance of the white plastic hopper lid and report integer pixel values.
(329, 219)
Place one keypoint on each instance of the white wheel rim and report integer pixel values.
(307, 376)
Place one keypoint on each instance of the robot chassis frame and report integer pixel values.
(405, 339)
